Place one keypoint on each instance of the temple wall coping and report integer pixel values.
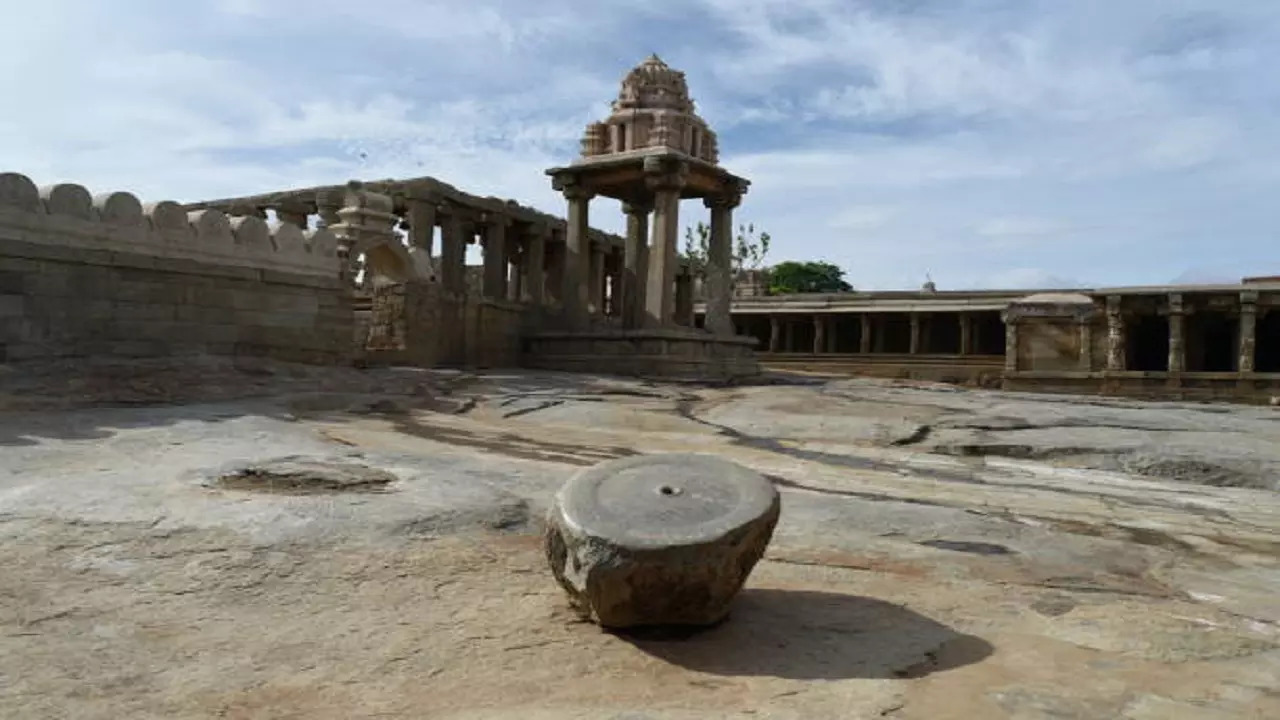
(69, 215)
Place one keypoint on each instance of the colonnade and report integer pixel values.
(873, 333)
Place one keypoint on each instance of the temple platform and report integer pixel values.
(670, 354)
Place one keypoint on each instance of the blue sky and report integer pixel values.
(987, 143)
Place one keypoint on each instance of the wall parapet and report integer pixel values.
(68, 215)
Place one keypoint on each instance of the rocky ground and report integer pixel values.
(942, 553)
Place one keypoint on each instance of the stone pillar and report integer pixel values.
(1177, 342)
(495, 257)
(719, 286)
(422, 225)
(573, 295)
(666, 184)
(293, 216)
(864, 340)
(328, 203)
(966, 334)
(1248, 330)
(634, 263)
(915, 333)
(366, 220)
(819, 334)
(453, 255)
(532, 279)
(555, 266)
(595, 279)
(775, 333)
(1010, 345)
(1115, 335)
(789, 337)
(1086, 342)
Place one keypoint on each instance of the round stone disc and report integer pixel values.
(654, 501)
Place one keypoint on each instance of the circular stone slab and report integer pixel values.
(659, 539)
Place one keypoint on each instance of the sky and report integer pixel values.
(979, 143)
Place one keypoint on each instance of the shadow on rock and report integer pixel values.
(806, 635)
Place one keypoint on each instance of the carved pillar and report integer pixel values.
(666, 184)
(864, 339)
(1248, 330)
(719, 285)
(915, 333)
(775, 333)
(366, 220)
(966, 334)
(684, 298)
(819, 334)
(1177, 343)
(1085, 361)
(453, 255)
(595, 279)
(422, 225)
(1010, 344)
(635, 263)
(494, 284)
(573, 295)
(533, 282)
(1115, 335)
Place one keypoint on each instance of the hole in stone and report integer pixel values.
(668, 490)
(306, 477)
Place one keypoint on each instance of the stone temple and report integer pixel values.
(374, 273)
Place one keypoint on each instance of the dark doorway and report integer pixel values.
(988, 333)
(1148, 343)
(756, 326)
(941, 334)
(1211, 342)
(1268, 343)
(848, 333)
(802, 332)
(895, 333)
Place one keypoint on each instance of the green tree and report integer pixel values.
(791, 277)
(749, 248)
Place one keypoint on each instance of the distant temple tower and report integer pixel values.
(652, 151)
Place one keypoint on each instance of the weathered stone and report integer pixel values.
(659, 539)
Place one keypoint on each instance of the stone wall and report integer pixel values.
(104, 276)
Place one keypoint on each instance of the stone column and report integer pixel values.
(864, 340)
(966, 334)
(915, 333)
(573, 295)
(453, 255)
(635, 263)
(495, 257)
(1115, 335)
(1177, 343)
(719, 284)
(775, 333)
(328, 203)
(1086, 342)
(789, 337)
(684, 298)
(532, 280)
(595, 279)
(666, 184)
(422, 225)
(819, 334)
(1248, 330)
(1010, 345)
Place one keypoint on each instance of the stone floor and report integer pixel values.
(942, 553)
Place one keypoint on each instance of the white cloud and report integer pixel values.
(1115, 143)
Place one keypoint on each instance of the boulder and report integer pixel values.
(659, 540)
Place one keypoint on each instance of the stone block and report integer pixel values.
(12, 305)
(659, 539)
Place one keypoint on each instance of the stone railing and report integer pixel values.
(68, 215)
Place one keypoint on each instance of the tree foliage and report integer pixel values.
(807, 277)
(749, 248)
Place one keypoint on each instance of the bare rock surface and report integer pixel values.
(942, 554)
(658, 540)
